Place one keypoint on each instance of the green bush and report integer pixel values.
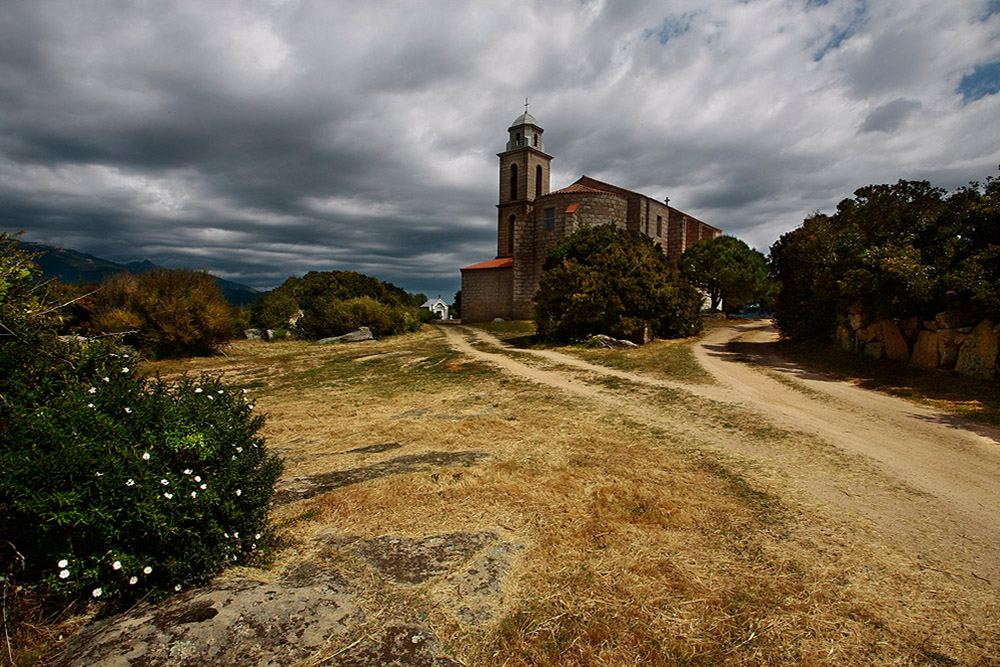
(894, 251)
(337, 302)
(602, 280)
(165, 312)
(113, 483)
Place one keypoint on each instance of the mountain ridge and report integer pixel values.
(73, 266)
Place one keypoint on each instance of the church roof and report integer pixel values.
(577, 188)
(498, 263)
(525, 119)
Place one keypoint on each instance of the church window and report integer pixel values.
(659, 225)
(536, 139)
(538, 180)
(550, 218)
(517, 139)
(510, 234)
(513, 182)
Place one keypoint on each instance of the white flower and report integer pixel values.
(250, 406)
(90, 405)
(210, 397)
(145, 456)
(117, 565)
(226, 535)
(221, 391)
(168, 496)
(198, 390)
(239, 449)
(63, 563)
(106, 378)
(128, 411)
(197, 478)
(253, 546)
(236, 535)
(98, 474)
(177, 588)
(147, 570)
(164, 482)
(203, 487)
(125, 370)
(92, 390)
(245, 391)
(97, 592)
(257, 536)
(188, 471)
(194, 494)
(239, 492)
(132, 581)
(63, 574)
(130, 482)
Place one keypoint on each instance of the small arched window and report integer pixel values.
(538, 180)
(517, 139)
(510, 235)
(536, 139)
(513, 182)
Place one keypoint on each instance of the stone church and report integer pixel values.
(531, 218)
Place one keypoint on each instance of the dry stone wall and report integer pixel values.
(951, 341)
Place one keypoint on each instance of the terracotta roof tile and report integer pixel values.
(498, 263)
(576, 187)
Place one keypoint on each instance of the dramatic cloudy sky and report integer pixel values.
(265, 138)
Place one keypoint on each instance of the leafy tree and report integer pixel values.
(165, 312)
(456, 307)
(894, 251)
(337, 302)
(728, 269)
(602, 280)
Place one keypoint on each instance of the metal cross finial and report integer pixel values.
(525, 105)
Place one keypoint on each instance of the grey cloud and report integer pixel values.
(890, 116)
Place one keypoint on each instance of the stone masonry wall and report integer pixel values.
(592, 208)
(486, 294)
(950, 341)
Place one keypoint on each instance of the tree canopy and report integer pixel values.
(603, 280)
(731, 272)
(894, 251)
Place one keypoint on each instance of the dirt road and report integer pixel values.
(928, 482)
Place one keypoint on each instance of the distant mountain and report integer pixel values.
(70, 266)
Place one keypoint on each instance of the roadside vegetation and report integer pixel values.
(893, 251)
(115, 485)
(603, 280)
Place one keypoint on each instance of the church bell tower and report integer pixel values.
(524, 175)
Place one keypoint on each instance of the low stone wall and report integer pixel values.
(950, 341)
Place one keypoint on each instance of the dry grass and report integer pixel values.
(642, 546)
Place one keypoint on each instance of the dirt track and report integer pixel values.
(927, 481)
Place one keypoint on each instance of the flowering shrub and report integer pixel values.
(112, 484)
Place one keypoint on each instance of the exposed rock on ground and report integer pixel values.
(298, 488)
(231, 624)
(358, 335)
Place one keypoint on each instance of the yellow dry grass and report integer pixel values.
(641, 546)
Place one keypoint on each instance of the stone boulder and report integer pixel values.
(978, 355)
(953, 319)
(358, 335)
(253, 334)
(949, 342)
(607, 342)
(926, 351)
(896, 347)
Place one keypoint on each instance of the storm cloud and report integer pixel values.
(268, 138)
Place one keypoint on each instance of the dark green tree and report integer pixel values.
(731, 272)
(894, 251)
(603, 280)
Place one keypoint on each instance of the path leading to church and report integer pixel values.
(928, 482)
